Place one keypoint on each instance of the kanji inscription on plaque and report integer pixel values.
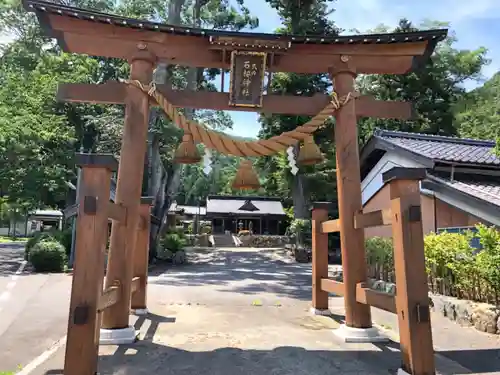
(247, 78)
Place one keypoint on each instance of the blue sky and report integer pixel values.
(476, 23)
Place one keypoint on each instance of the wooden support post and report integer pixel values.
(128, 189)
(412, 300)
(82, 346)
(319, 256)
(352, 240)
(141, 257)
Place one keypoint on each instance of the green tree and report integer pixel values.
(36, 134)
(308, 17)
(33, 65)
(478, 113)
(434, 89)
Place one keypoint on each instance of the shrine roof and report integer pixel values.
(44, 7)
(227, 204)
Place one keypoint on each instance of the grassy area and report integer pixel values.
(4, 239)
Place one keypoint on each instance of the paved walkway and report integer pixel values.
(240, 311)
(33, 308)
(232, 311)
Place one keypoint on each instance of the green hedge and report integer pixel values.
(453, 266)
(61, 236)
(380, 259)
(48, 256)
(36, 238)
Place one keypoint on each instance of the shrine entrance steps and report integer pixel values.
(223, 240)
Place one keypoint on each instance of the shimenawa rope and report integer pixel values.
(229, 146)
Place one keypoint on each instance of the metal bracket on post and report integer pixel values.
(90, 205)
(423, 313)
(415, 214)
(81, 315)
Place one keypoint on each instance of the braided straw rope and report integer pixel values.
(229, 146)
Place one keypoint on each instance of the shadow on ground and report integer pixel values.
(246, 272)
(11, 257)
(146, 357)
(480, 361)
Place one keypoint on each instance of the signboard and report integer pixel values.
(247, 78)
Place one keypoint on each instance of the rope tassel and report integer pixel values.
(246, 178)
(310, 153)
(187, 152)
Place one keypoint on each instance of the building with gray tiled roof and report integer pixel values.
(227, 213)
(462, 187)
(264, 215)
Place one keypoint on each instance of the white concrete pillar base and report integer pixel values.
(320, 312)
(359, 335)
(140, 312)
(117, 336)
(402, 372)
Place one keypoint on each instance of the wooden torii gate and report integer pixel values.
(144, 44)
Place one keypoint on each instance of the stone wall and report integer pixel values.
(257, 240)
(482, 316)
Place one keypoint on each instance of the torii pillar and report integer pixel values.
(115, 320)
(358, 324)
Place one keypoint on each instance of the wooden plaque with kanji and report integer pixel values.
(247, 79)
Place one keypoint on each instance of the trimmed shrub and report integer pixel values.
(48, 256)
(455, 268)
(64, 238)
(36, 238)
(173, 242)
(450, 263)
(61, 236)
(488, 260)
(301, 230)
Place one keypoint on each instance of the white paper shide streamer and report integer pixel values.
(291, 160)
(207, 161)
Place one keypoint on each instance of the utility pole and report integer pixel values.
(73, 228)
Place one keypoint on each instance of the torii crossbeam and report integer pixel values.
(143, 44)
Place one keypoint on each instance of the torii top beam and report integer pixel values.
(99, 34)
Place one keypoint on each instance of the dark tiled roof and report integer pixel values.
(248, 206)
(444, 149)
(233, 205)
(486, 191)
(433, 36)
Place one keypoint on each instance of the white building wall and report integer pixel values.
(372, 183)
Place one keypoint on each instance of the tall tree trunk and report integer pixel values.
(164, 184)
(174, 11)
(300, 206)
(300, 209)
(157, 185)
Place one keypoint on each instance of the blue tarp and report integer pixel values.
(474, 243)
